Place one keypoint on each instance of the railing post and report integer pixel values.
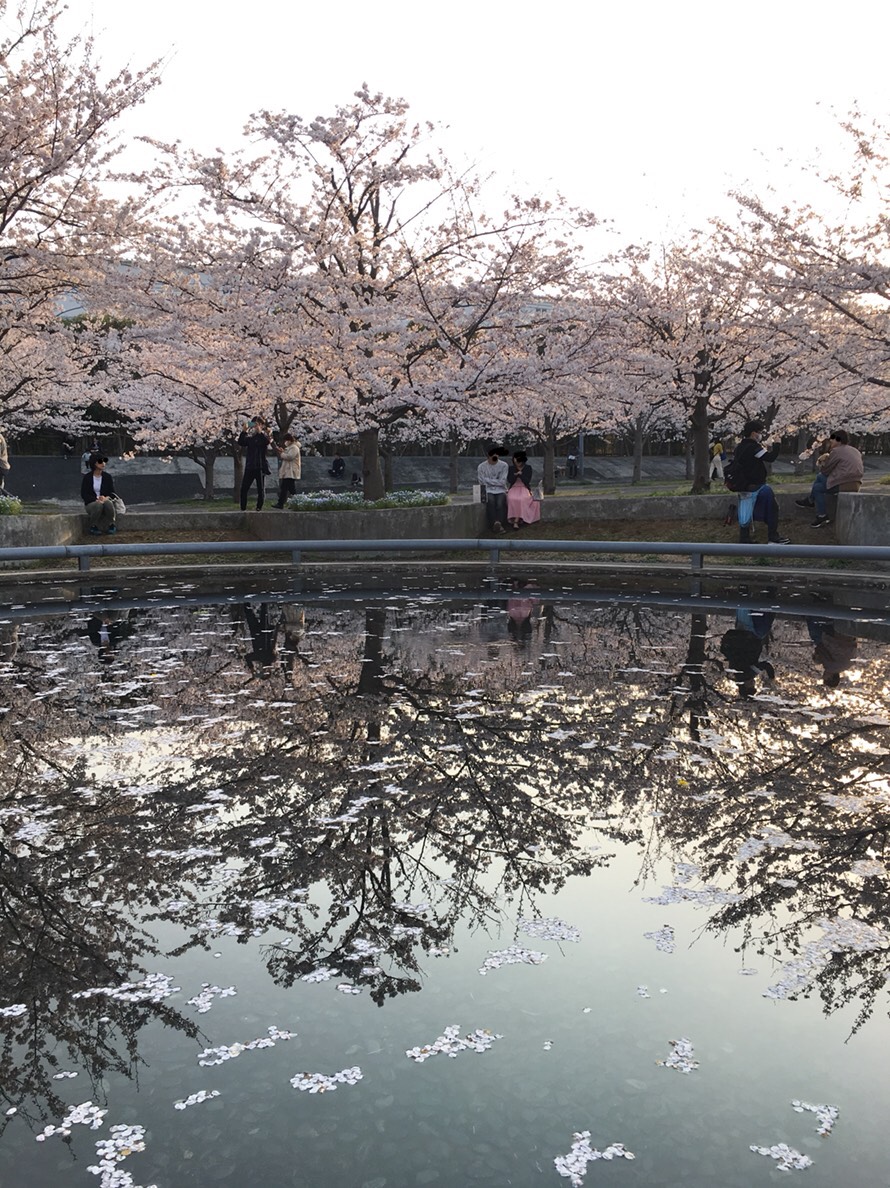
(698, 562)
(83, 563)
(296, 556)
(494, 556)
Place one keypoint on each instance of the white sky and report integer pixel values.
(644, 112)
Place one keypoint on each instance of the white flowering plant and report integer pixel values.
(10, 505)
(353, 501)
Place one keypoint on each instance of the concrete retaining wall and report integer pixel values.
(454, 520)
(20, 532)
(863, 519)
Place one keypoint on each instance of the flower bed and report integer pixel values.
(10, 505)
(353, 501)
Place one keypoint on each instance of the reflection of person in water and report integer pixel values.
(742, 646)
(293, 616)
(262, 635)
(520, 606)
(106, 631)
(835, 651)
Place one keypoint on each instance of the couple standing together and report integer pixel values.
(508, 490)
(255, 442)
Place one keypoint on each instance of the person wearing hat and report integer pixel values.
(97, 490)
(492, 477)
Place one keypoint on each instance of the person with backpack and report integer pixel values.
(746, 474)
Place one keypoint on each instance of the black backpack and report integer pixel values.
(733, 478)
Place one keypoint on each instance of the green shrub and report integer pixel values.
(10, 505)
(353, 501)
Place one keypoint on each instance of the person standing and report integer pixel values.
(718, 457)
(97, 491)
(4, 461)
(254, 442)
(289, 468)
(749, 466)
(492, 477)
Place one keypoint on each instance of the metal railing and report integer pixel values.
(696, 551)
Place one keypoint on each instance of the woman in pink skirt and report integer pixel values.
(521, 507)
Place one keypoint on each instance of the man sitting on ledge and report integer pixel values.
(840, 469)
(749, 461)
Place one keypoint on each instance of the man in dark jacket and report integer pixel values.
(749, 463)
(254, 442)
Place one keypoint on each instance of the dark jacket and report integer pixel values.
(525, 474)
(750, 458)
(88, 495)
(255, 447)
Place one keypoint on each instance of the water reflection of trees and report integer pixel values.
(63, 931)
(401, 773)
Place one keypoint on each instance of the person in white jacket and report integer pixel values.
(289, 468)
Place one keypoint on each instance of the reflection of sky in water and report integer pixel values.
(345, 812)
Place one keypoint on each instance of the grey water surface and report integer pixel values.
(635, 854)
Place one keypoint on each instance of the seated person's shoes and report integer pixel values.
(111, 530)
(94, 531)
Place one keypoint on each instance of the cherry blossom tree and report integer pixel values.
(357, 278)
(702, 339)
(56, 226)
(826, 272)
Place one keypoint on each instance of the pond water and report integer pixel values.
(404, 888)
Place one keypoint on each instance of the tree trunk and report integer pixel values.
(453, 446)
(239, 473)
(687, 452)
(372, 478)
(549, 457)
(638, 448)
(387, 470)
(210, 457)
(698, 435)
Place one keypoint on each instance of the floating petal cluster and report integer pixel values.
(322, 974)
(154, 988)
(682, 1058)
(124, 1141)
(515, 955)
(826, 1115)
(322, 1083)
(549, 928)
(701, 896)
(12, 1012)
(85, 1114)
(451, 1043)
(195, 1099)
(204, 1000)
(788, 1158)
(839, 936)
(573, 1166)
(212, 1056)
(772, 838)
(664, 939)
